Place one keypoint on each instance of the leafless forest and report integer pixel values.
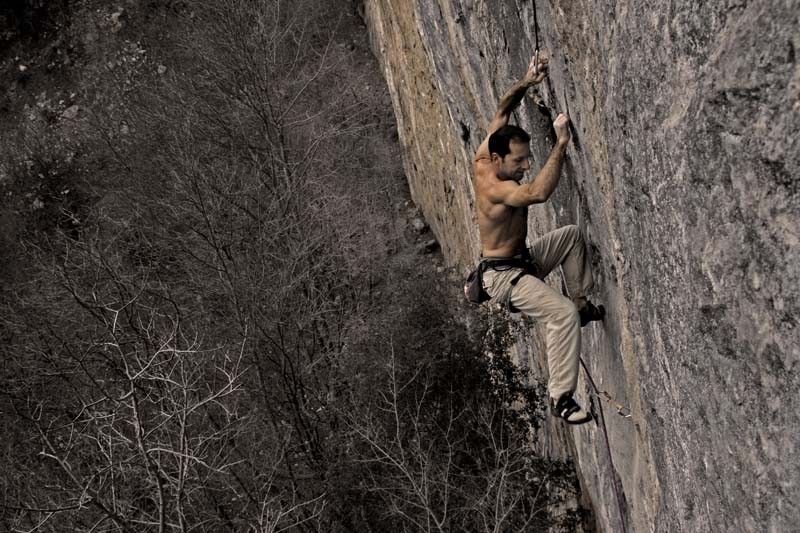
(214, 315)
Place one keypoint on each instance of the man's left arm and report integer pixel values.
(511, 100)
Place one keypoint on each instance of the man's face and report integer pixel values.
(514, 165)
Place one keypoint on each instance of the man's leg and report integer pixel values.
(563, 335)
(565, 247)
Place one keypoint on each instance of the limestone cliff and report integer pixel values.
(684, 178)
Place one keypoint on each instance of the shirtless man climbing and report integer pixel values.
(512, 271)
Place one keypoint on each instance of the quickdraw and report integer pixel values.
(622, 411)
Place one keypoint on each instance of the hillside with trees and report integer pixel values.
(220, 310)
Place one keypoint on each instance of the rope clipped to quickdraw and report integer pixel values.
(624, 412)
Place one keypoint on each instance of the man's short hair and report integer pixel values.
(500, 140)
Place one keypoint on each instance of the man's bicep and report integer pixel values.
(483, 150)
(501, 192)
(512, 194)
(498, 121)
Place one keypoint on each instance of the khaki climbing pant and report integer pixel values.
(533, 297)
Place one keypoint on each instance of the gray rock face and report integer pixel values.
(684, 177)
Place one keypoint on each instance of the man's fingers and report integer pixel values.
(537, 68)
(543, 64)
(542, 60)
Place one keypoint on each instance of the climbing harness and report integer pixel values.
(473, 286)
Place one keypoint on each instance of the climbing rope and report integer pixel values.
(536, 36)
(622, 411)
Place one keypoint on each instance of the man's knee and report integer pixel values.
(574, 232)
(571, 314)
(566, 312)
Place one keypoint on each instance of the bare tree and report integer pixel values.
(452, 459)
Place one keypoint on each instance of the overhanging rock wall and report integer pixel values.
(684, 178)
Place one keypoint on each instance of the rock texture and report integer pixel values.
(684, 177)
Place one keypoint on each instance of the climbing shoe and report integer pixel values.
(569, 410)
(590, 313)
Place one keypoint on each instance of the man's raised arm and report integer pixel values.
(511, 193)
(510, 100)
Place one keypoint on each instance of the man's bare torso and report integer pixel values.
(503, 228)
